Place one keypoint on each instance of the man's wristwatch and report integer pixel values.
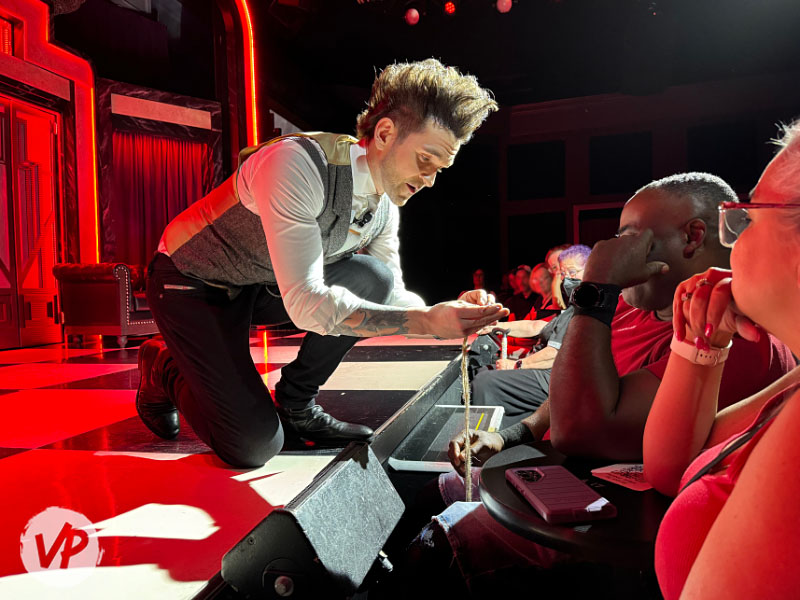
(598, 300)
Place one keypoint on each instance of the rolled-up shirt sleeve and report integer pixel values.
(386, 248)
(287, 190)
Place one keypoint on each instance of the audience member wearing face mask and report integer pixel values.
(523, 385)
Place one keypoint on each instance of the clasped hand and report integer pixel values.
(704, 312)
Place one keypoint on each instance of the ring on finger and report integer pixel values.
(686, 296)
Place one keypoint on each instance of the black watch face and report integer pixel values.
(586, 296)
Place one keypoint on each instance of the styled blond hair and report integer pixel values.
(412, 93)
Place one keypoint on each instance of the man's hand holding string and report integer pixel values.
(483, 445)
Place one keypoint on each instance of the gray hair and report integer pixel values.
(707, 191)
(787, 175)
(790, 134)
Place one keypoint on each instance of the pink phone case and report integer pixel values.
(558, 496)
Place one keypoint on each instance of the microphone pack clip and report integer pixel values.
(365, 218)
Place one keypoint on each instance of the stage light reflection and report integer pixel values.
(160, 521)
(283, 477)
(150, 581)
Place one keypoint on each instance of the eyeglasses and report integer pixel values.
(571, 273)
(734, 218)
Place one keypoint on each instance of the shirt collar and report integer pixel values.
(363, 185)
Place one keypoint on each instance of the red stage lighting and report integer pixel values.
(503, 6)
(450, 8)
(251, 110)
(412, 16)
(6, 37)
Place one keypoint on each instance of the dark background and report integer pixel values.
(317, 60)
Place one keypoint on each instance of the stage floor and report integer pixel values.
(159, 514)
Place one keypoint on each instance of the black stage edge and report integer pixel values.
(329, 537)
(445, 388)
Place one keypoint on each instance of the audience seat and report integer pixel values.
(105, 299)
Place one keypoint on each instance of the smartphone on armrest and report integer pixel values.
(558, 496)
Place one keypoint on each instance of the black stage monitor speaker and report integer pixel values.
(323, 542)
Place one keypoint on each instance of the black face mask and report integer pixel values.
(568, 285)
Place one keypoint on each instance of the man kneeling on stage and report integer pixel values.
(279, 241)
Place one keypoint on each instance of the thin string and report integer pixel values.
(468, 436)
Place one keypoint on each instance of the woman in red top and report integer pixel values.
(733, 529)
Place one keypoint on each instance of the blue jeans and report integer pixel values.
(481, 546)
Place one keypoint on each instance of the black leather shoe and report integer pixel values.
(315, 424)
(155, 409)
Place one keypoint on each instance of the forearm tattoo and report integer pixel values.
(374, 320)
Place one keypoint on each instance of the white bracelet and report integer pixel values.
(690, 352)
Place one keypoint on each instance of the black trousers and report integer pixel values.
(213, 380)
(520, 392)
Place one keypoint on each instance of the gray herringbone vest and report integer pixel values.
(221, 242)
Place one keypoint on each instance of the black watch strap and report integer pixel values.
(596, 300)
(589, 294)
(515, 435)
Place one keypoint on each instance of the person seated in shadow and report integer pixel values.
(507, 289)
(543, 309)
(541, 282)
(608, 368)
(522, 385)
(510, 288)
(551, 260)
(479, 282)
(521, 303)
(547, 284)
(732, 530)
(478, 279)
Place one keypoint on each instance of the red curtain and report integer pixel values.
(154, 179)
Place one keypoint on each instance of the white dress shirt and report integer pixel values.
(281, 184)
